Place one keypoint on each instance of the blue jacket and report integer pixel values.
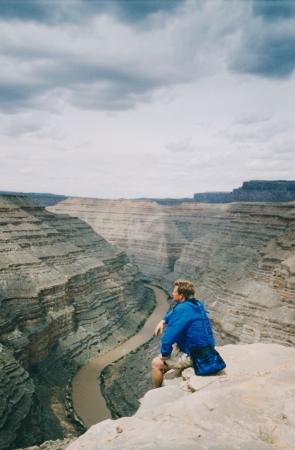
(187, 326)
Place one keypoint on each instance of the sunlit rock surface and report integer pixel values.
(248, 406)
(66, 294)
(241, 257)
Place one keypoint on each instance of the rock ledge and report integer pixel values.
(248, 406)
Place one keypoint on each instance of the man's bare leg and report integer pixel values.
(157, 371)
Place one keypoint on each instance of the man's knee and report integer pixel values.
(157, 363)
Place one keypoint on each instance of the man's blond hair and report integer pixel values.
(186, 288)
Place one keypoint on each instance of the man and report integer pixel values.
(186, 326)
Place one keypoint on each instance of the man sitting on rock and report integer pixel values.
(186, 326)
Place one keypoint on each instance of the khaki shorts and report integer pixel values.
(179, 360)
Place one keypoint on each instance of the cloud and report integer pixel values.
(115, 55)
(184, 145)
(259, 131)
(252, 118)
(92, 90)
(265, 45)
(56, 11)
(15, 126)
(104, 63)
(53, 133)
(209, 160)
(274, 10)
(17, 155)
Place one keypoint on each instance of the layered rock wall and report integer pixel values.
(143, 229)
(66, 294)
(240, 256)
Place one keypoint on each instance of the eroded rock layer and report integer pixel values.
(143, 229)
(240, 256)
(66, 294)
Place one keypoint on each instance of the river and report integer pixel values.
(88, 401)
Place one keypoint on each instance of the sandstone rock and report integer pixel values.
(66, 294)
(248, 406)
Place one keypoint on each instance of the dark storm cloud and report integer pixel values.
(87, 85)
(273, 56)
(100, 55)
(267, 44)
(24, 10)
(54, 11)
(42, 11)
(113, 92)
(133, 10)
(102, 64)
(273, 10)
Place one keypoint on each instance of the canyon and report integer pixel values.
(66, 295)
(72, 287)
(241, 257)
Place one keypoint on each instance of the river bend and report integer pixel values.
(88, 401)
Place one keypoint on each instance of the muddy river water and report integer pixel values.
(88, 402)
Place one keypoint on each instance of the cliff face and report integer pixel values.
(240, 256)
(66, 294)
(143, 229)
(264, 191)
(253, 191)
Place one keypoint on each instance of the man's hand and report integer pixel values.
(159, 328)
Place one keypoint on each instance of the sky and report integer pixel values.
(137, 98)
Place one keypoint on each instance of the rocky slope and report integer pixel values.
(240, 256)
(248, 406)
(66, 294)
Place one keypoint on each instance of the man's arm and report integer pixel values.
(166, 318)
(160, 327)
(176, 326)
